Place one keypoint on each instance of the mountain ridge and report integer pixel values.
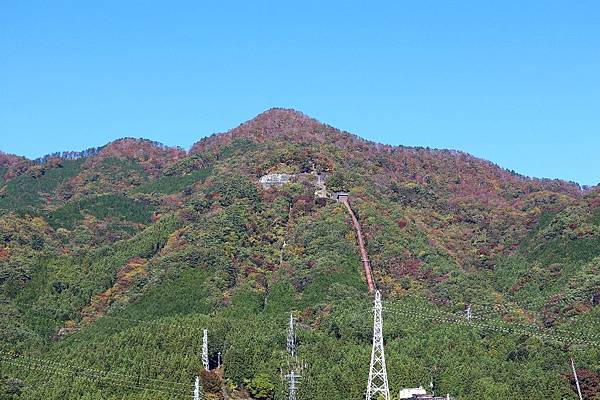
(268, 124)
(115, 263)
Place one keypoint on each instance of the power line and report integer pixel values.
(470, 314)
(179, 327)
(75, 374)
(51, 363)
(528, 305)
(560, 332)
(88, 374)
(421, 311)
(504, 329)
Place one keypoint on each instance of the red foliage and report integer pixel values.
(594, 202)
(407, 266)
(151, 155)
(4, 254)
(249, 270)
(15, 165)
(212, 383)
(588, 381)
(284, 124)
(304, 203)
(155, 217)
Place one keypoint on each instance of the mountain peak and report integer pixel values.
(276, 121)
(6, 159)
(153, 156)
(133, 147)
(12, 165)
(282, 114)
(279, 124)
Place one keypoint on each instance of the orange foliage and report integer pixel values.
(125, 277)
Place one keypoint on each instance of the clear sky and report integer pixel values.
(514, 82)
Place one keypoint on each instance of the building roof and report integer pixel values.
(275, 179)
(410, 392)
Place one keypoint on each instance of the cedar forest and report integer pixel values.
(114, 260)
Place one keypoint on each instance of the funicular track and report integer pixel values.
(361, 245)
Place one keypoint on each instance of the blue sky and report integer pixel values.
(514, 82)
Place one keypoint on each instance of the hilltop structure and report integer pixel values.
(270, 180)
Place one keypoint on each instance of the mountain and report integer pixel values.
(114, 260)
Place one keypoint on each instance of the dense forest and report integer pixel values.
(114, 260)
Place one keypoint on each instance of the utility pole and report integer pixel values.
(431, 386)
(291, 349)
(291, 337)
(469, 314)
(293, 384)
(378, 382)
(197, 389)
(205, 350)
(576, 379)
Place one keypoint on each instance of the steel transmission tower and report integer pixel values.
(378, 382)
(291, 338)
(197, 389)
(205, 350)
(469, 313)
(293, 384)
(293, 376)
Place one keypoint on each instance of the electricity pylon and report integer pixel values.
(378, 382)
(292, 377)
(469, 314)
(293, 384)
(291, 337)
(197, 389)
(205, 350)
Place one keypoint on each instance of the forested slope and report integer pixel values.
(113, 261)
